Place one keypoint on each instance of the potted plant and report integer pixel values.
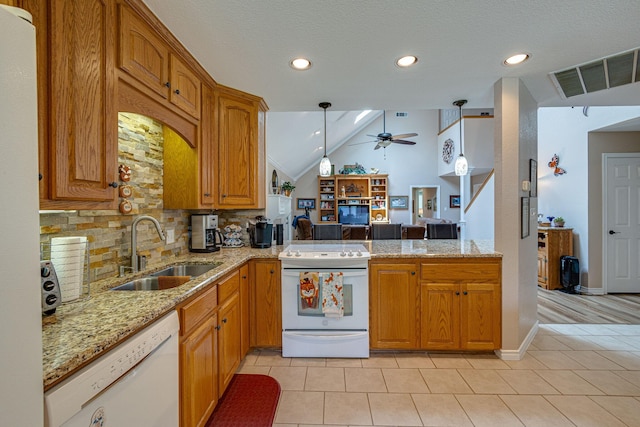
(287, 188)
(558, 221)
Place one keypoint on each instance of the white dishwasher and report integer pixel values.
(135, 384)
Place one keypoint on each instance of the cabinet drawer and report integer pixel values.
(468, 272)
(228, 287)
(197, 309)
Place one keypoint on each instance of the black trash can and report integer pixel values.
(569, 273)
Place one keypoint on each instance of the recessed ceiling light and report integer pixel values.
(300, 64)
(406, 61)
(516, 59)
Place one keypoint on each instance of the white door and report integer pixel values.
(621, 237)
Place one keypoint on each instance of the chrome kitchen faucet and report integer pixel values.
(134, 239)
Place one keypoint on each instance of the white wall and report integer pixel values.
(477, 145)
(565, 131)
(480, 217)
(515, 143)
(406, 165)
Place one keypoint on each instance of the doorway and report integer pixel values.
(621, 222)
(424, 202)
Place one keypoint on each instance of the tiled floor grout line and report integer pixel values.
(590, 363)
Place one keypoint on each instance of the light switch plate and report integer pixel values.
(171, 236)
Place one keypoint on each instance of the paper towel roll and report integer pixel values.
(68, 256)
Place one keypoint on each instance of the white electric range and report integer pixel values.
(325, 300)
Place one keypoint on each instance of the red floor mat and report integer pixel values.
(250, 401)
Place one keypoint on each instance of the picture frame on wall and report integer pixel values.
(306, 203)
(533, 178)
(399, 202)
(454, 201)
(524, 215)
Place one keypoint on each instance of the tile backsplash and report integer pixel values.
(140, 147)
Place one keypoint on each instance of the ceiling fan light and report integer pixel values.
(406, 61)
(325, 166)
(462, 166)
(300, 64)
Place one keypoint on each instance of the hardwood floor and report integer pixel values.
(559, 307)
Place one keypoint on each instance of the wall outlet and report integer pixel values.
(171, 236)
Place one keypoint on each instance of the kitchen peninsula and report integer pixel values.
(437, 271)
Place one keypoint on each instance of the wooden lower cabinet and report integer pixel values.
(199, 374)
(460, 305)
(228, 340)
(198, 358)
(266, 301)
(393, 301)
(210, 347)
(439, 304)
(245, 282)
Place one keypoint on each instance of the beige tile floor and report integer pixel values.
(572, 375)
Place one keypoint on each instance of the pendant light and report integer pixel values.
(462, 166)
(325, 163)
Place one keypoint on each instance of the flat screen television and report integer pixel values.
(354, 214)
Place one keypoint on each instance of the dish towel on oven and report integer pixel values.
(332, 296)
(309, 287)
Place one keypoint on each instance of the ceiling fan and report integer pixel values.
(385, 139)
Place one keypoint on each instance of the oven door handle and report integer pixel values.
(329, 335)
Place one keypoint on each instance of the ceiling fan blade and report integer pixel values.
(377, 146)
(402, 141)
(404, 135)
(372, 136)
(363, 142)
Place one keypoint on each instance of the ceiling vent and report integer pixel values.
(617, 70)
(401, 114)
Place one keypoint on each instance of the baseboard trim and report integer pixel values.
(591, 291)
(522, 350)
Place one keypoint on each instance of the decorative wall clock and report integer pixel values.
(447, 151)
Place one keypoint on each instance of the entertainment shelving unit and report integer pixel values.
(359, 190)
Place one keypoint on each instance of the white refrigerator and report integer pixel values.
(21, 394)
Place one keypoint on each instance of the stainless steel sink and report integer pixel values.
(163, 279)
(193, 270)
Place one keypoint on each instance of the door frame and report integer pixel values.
(411, 200)
(603, 226)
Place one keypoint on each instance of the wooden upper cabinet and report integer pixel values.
(240, 153)
(185, 87)
(143, 54)
(206, 148)
(81, 152)
(147, 58)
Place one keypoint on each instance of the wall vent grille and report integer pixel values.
(616, 70)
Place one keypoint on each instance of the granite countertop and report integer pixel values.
(81, 330)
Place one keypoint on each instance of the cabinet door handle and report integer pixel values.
(40, 177)
(218, 328)
(272, 271)
(244, 277)
(413, 273)
(177, 91)
(457, 293)
(167, 84)
(207, 194)
(464, 293)
(224, 320)
(113, 184)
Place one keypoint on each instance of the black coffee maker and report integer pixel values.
(260, 232)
